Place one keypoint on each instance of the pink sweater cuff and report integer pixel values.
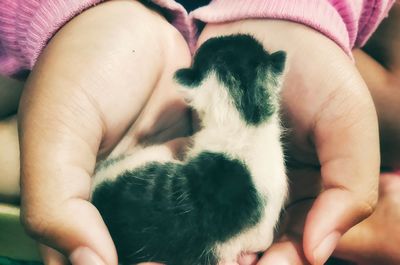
(27, 26)
(344, 21)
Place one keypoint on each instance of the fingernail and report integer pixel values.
(326, 247)
(85, 256)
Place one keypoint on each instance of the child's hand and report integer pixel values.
(108, 68)
(333, 135)
(376, 239)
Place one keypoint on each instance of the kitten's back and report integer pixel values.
(175, 213)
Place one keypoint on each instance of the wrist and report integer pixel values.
(274, 34)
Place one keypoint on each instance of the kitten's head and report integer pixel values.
(233, 74)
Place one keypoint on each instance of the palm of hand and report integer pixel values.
(321, 115)
(330, 118)
(85, 92)
(164, 116)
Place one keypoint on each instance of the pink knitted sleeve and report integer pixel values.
(347, 22)
(27, 25)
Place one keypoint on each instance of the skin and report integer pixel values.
(99, 75)
(334, 129)
(381, 70)
(9, 161)
(374, 241)
(349, 174)
(326, 139)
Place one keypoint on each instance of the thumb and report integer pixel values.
(284, 252)
(83, 239)
(51, 256)
(58, 154)
(346, 139)
(56, 212)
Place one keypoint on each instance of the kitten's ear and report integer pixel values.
(186, 77)
(278, 60)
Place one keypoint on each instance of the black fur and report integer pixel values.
(174, 213)
(241, 63)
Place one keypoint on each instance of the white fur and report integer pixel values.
(139, 157)
(223, 130)
(258, 146)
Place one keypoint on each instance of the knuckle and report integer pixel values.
(371, 200)
(372, 203)
(35, 224)
(367, 207)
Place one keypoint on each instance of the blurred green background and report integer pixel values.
(15, 246)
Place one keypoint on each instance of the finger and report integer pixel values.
(370, 241)
(288, 250)
(55, 183)
(179, 146)
(356, 243)
(248, 259)
(51, 256)
(346, 139)
(284, 253)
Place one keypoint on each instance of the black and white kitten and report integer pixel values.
(225, 197)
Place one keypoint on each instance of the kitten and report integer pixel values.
(225, 197)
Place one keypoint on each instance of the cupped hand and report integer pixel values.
(331, 140)
(108, 69)
(376, 239)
